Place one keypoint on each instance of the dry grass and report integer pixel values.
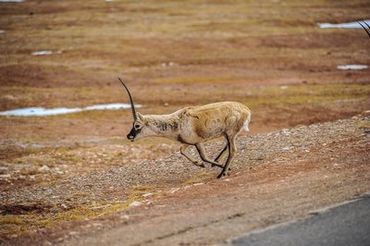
(34, 220)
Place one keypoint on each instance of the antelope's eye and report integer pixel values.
(137, 126)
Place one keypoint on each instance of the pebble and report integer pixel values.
(173, 190)
(73, 233)
(44, 169)
(147, 194)
(135, 204)
(4, 176)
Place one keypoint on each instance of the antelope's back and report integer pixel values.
(212, 120)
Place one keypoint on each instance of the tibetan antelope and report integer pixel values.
(195, 125)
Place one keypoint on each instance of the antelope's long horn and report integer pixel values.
(131, 101)
(366, 24)
(366, 30)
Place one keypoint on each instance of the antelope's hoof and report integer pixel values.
(221, 175)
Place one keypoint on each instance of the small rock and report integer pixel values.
(366, 113)
(135, 204)
(97, 224)
(147, 194)
(125, 217)
(4, 176)
(8, 97)
(44, 169)
(174, 190)
(187, 187)
(3, 170)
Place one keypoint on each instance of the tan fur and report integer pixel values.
(195, 125)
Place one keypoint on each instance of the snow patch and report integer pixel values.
(348, 25)
(11, 1)
(352, 67)
(42, 53)
(39, 111)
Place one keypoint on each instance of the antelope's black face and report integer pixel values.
(135, 131)
(138, 129)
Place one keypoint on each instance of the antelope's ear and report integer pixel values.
(140, 116)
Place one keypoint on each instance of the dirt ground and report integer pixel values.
(270, 55)
(275, 177)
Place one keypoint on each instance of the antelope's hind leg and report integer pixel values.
(204, 157)
(232, 149)
(183, 152)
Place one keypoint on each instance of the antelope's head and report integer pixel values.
(139, 124)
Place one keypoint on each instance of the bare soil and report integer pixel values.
(63, 178)
(275, 177)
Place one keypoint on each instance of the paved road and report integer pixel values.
(348, 224)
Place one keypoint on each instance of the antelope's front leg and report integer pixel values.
(221, 153)
(183, 152)
(202, 154)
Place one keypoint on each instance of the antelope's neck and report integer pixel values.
(164, 125)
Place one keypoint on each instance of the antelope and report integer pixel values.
(192, 126)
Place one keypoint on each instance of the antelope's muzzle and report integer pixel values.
(130, 137)
(133, 133)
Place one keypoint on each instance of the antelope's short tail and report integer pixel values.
(247, 121)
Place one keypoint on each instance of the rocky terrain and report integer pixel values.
(331, 156)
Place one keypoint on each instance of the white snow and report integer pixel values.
(11, 1)
(42, 52)
(39, 111)
(354, 24)
(352, 67)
